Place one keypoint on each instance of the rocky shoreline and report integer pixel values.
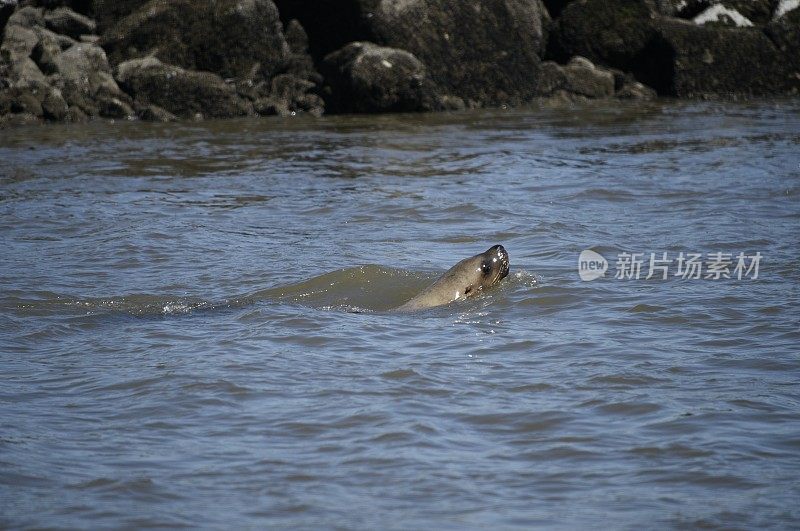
(76, 60)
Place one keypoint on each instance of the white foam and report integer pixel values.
(526, 278)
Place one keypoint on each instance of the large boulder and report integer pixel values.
(185, 93)
(784, 32)
(20, 36)
(612, 33)
(65, 21)
(364, 77)
(108, 12)
(230, 38)
(84, 76)
(485, 52)
(697, 61)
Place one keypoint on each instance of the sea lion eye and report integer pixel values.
(486, 268)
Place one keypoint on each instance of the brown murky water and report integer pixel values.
(179, 342)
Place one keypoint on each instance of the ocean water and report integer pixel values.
(195, 324)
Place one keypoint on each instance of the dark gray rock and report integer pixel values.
(290, 95)
(784, 33)
(87, 82)
(703, 61)
(107, 13)
(184, 93)
(363, 77)
(84, 7)
(758, 11)
(7, 7)
(34, 98)
(18, 120)
(298, 61)
(83, 61)
(24, 86)
(486, 52)
(241, 41)
(54, 106)
(580, 78)
(630, 89)
(154, 113)
(296, 37)
(20, 35)
(676, 57)
(27, 17)
(686, 9)
(5, 76)
(613, 33)
(669, 8)
(226, 37)
(67, 22)
(294, 89)
(52, 76)
(49, 46)
(16, 100)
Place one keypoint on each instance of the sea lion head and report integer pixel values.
(465, 279)
(487, 269)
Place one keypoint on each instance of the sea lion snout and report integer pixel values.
(498, 252)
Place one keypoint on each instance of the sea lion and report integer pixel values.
(465, 279)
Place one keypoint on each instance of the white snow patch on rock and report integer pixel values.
(784, 6)
(715, 12)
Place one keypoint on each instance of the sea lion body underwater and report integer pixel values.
(465, 279)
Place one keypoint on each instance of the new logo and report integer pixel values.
(591, 265)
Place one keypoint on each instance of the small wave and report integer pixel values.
(646, 308)
(141, 305)
(605, 194)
